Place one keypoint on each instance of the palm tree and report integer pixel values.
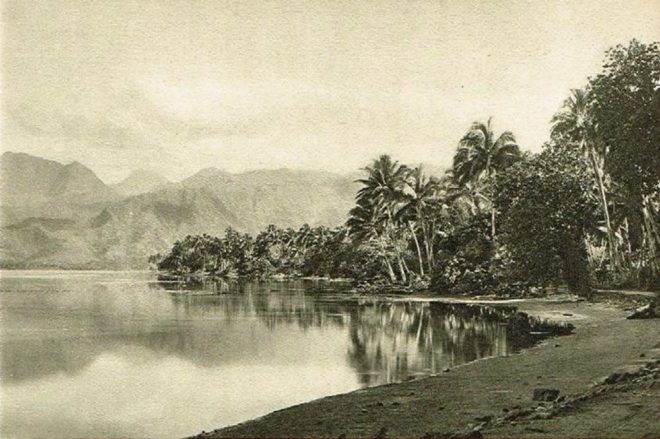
(574, 122)
(366, 223)
(385, 182)
(423, 190)
(468, 199)
(481, 154)
(381, 193)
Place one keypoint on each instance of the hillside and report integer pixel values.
(65, 226)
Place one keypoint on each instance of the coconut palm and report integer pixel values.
(385, 183)
(381, 194)
(482, 154)
(366, 222)
(423, 190)
(575, 123)
(468, 199)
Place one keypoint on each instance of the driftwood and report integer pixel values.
(645, 312)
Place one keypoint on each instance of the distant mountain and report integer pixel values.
(212, 200)
(116, 232)
(32, 186)
(140, 182)
(284, 197)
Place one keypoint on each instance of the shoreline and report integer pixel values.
(455, 401)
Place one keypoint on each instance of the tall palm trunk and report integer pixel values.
(651, 235)
(430, 241)
(390, 270)
(419, 250)
(492, 223)
(405, 266)
(611, 239)
(427, 249)
(383, 248)
(489, 171)
(402, 269)
(390, 238)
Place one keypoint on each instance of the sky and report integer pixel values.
(174, 86)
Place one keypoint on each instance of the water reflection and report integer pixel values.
(396, 341)
(214, 353)
(389, 340)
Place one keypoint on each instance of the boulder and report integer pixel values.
(548, 395)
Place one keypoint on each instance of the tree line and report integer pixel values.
(582, 212)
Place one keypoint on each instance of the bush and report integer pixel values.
(457, 275)
(464, 262)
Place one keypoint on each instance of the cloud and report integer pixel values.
(170, 112)
(103, 131)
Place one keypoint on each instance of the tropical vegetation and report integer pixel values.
(582, 212)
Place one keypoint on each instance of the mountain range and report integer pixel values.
(63, 216)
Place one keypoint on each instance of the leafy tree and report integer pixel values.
(574, 124)
(547, 206)
(626, 108)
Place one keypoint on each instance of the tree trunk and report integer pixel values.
(419, 250)
(492, 223)
(427, 248)
(390, 270)
(651, 236)
(404, 277)
(431, 254)
(405, 266)
(611, 239)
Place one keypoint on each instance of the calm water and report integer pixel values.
(100, 354)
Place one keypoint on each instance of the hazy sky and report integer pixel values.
(175, 86)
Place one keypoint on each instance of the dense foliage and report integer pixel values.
(583, 210)
(625, 102)
(547, 208)
(317, 251)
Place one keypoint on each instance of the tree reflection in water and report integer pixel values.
(396, 341)
(389, 341)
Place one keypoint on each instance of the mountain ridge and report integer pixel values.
(69, 218)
